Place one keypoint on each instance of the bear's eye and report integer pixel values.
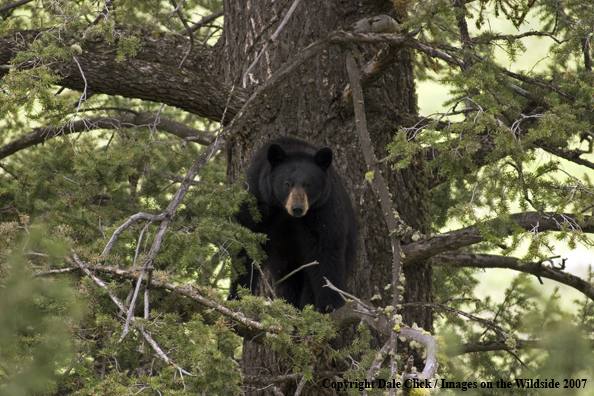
(287, 184)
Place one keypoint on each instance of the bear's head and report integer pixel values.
(298, 179)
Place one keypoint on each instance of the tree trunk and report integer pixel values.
(307, 104)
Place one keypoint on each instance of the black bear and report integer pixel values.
(307, 216)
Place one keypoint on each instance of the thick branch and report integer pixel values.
(470, 235)
(570, 155)
(40, 135)
(537, 269)
(14, 5)
(153, 74)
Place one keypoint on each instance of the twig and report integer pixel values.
(302, 382)
(264, 279)
(185, 22)
(377, 364)
(140, 240)
(147, 289)
(84, 94)
(274, 36)
(191, 293)
(482, 321)
(344, 294)
(133, 219)
(130, 314)
(284, 278)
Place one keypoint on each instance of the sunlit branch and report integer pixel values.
(357, 312)
(452, 240)
(570, 155)
(540, 269)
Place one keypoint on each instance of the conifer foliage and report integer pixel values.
(126, 126)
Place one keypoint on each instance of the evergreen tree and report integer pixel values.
(127, 127)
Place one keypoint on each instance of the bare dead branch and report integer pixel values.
(247, 327)
(377, 364)
(381, 189)
(302, 382)
(170, 176)
(294, 272)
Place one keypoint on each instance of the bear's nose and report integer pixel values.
(298, 210)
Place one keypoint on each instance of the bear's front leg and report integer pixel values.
(332, 267)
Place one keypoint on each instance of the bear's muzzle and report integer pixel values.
(297, 205)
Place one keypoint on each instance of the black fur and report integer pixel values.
(325, 233)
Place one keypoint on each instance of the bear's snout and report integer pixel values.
(298, 210)
(297, 204)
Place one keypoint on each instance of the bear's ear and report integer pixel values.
(276, 154)
(323, 158)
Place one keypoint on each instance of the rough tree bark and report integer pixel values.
(308, 104)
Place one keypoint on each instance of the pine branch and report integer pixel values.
(153, 74)
(129, 120)
(122, 307)
(453, 240)
(570, 155)
(540, 270)
(246, 327)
